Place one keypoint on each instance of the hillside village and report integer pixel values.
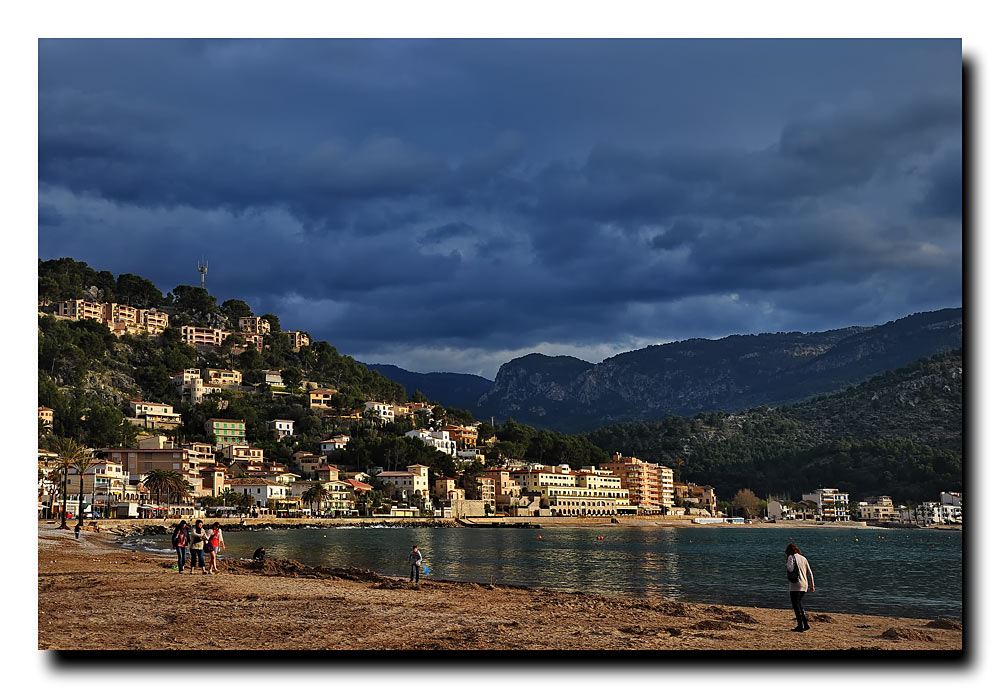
(253, 419)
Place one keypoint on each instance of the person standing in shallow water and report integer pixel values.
(800, 579)
(415, 559)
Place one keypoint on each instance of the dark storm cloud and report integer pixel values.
(463, 201)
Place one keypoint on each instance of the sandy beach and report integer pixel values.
(94, 595)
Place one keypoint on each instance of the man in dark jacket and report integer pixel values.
(414, 560)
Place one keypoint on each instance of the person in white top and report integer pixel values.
(800, 579)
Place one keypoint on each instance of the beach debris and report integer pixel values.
(899, 633)
(294, 569)
(731, 615)
(821, 618)
(712, 625)
(946, 624)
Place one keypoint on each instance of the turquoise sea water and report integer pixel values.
(867, 571)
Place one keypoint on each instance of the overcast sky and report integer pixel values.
(448, 205)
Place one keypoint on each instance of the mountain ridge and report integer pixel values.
(698, 375)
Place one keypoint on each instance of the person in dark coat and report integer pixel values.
(415, 559)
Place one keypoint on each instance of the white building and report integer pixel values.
(284, 427)
(191, 388)
(439, 439)
(260, 489)
(951, 513)
(832, 504)
(951, 498)
(386, 412)
(334, 443)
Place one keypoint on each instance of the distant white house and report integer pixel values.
(284, 427)
(334, 443)
(439, 439)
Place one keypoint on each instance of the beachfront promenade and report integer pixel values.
(402, 521)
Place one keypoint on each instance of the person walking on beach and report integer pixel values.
(180, 542)
(415, 560)
(197, 538)
(213, 545)
(77, 531)
(800, 579)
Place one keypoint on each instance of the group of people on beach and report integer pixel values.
(200, 541)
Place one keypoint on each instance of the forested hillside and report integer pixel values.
(899, 433)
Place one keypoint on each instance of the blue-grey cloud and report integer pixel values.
(404, 197)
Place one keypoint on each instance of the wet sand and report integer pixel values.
(94, 595)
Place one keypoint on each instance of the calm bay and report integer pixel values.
(914, 573)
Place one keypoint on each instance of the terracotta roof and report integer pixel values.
(252, 481)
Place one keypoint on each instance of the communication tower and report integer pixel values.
(203, 269)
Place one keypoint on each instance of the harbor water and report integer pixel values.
(891, 572)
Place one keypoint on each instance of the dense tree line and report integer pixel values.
(898, 434)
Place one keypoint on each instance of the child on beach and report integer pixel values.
(77, 531)
(414, 559)
(213, 545)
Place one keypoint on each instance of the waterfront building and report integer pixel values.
(103, 483)
(261, 490)
(339, 495)
(446, 489)
(414, 480)
(950, 498)
(644, 481)
(831, 504)
(587, 492)
(503, 488)
(877, 509)
(702, 495)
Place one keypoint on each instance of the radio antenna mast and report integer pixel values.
(203, 269)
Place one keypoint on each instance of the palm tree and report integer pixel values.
(177, 486)
(82, 464)
(69, 452)
(158, 481)
(316, 494)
